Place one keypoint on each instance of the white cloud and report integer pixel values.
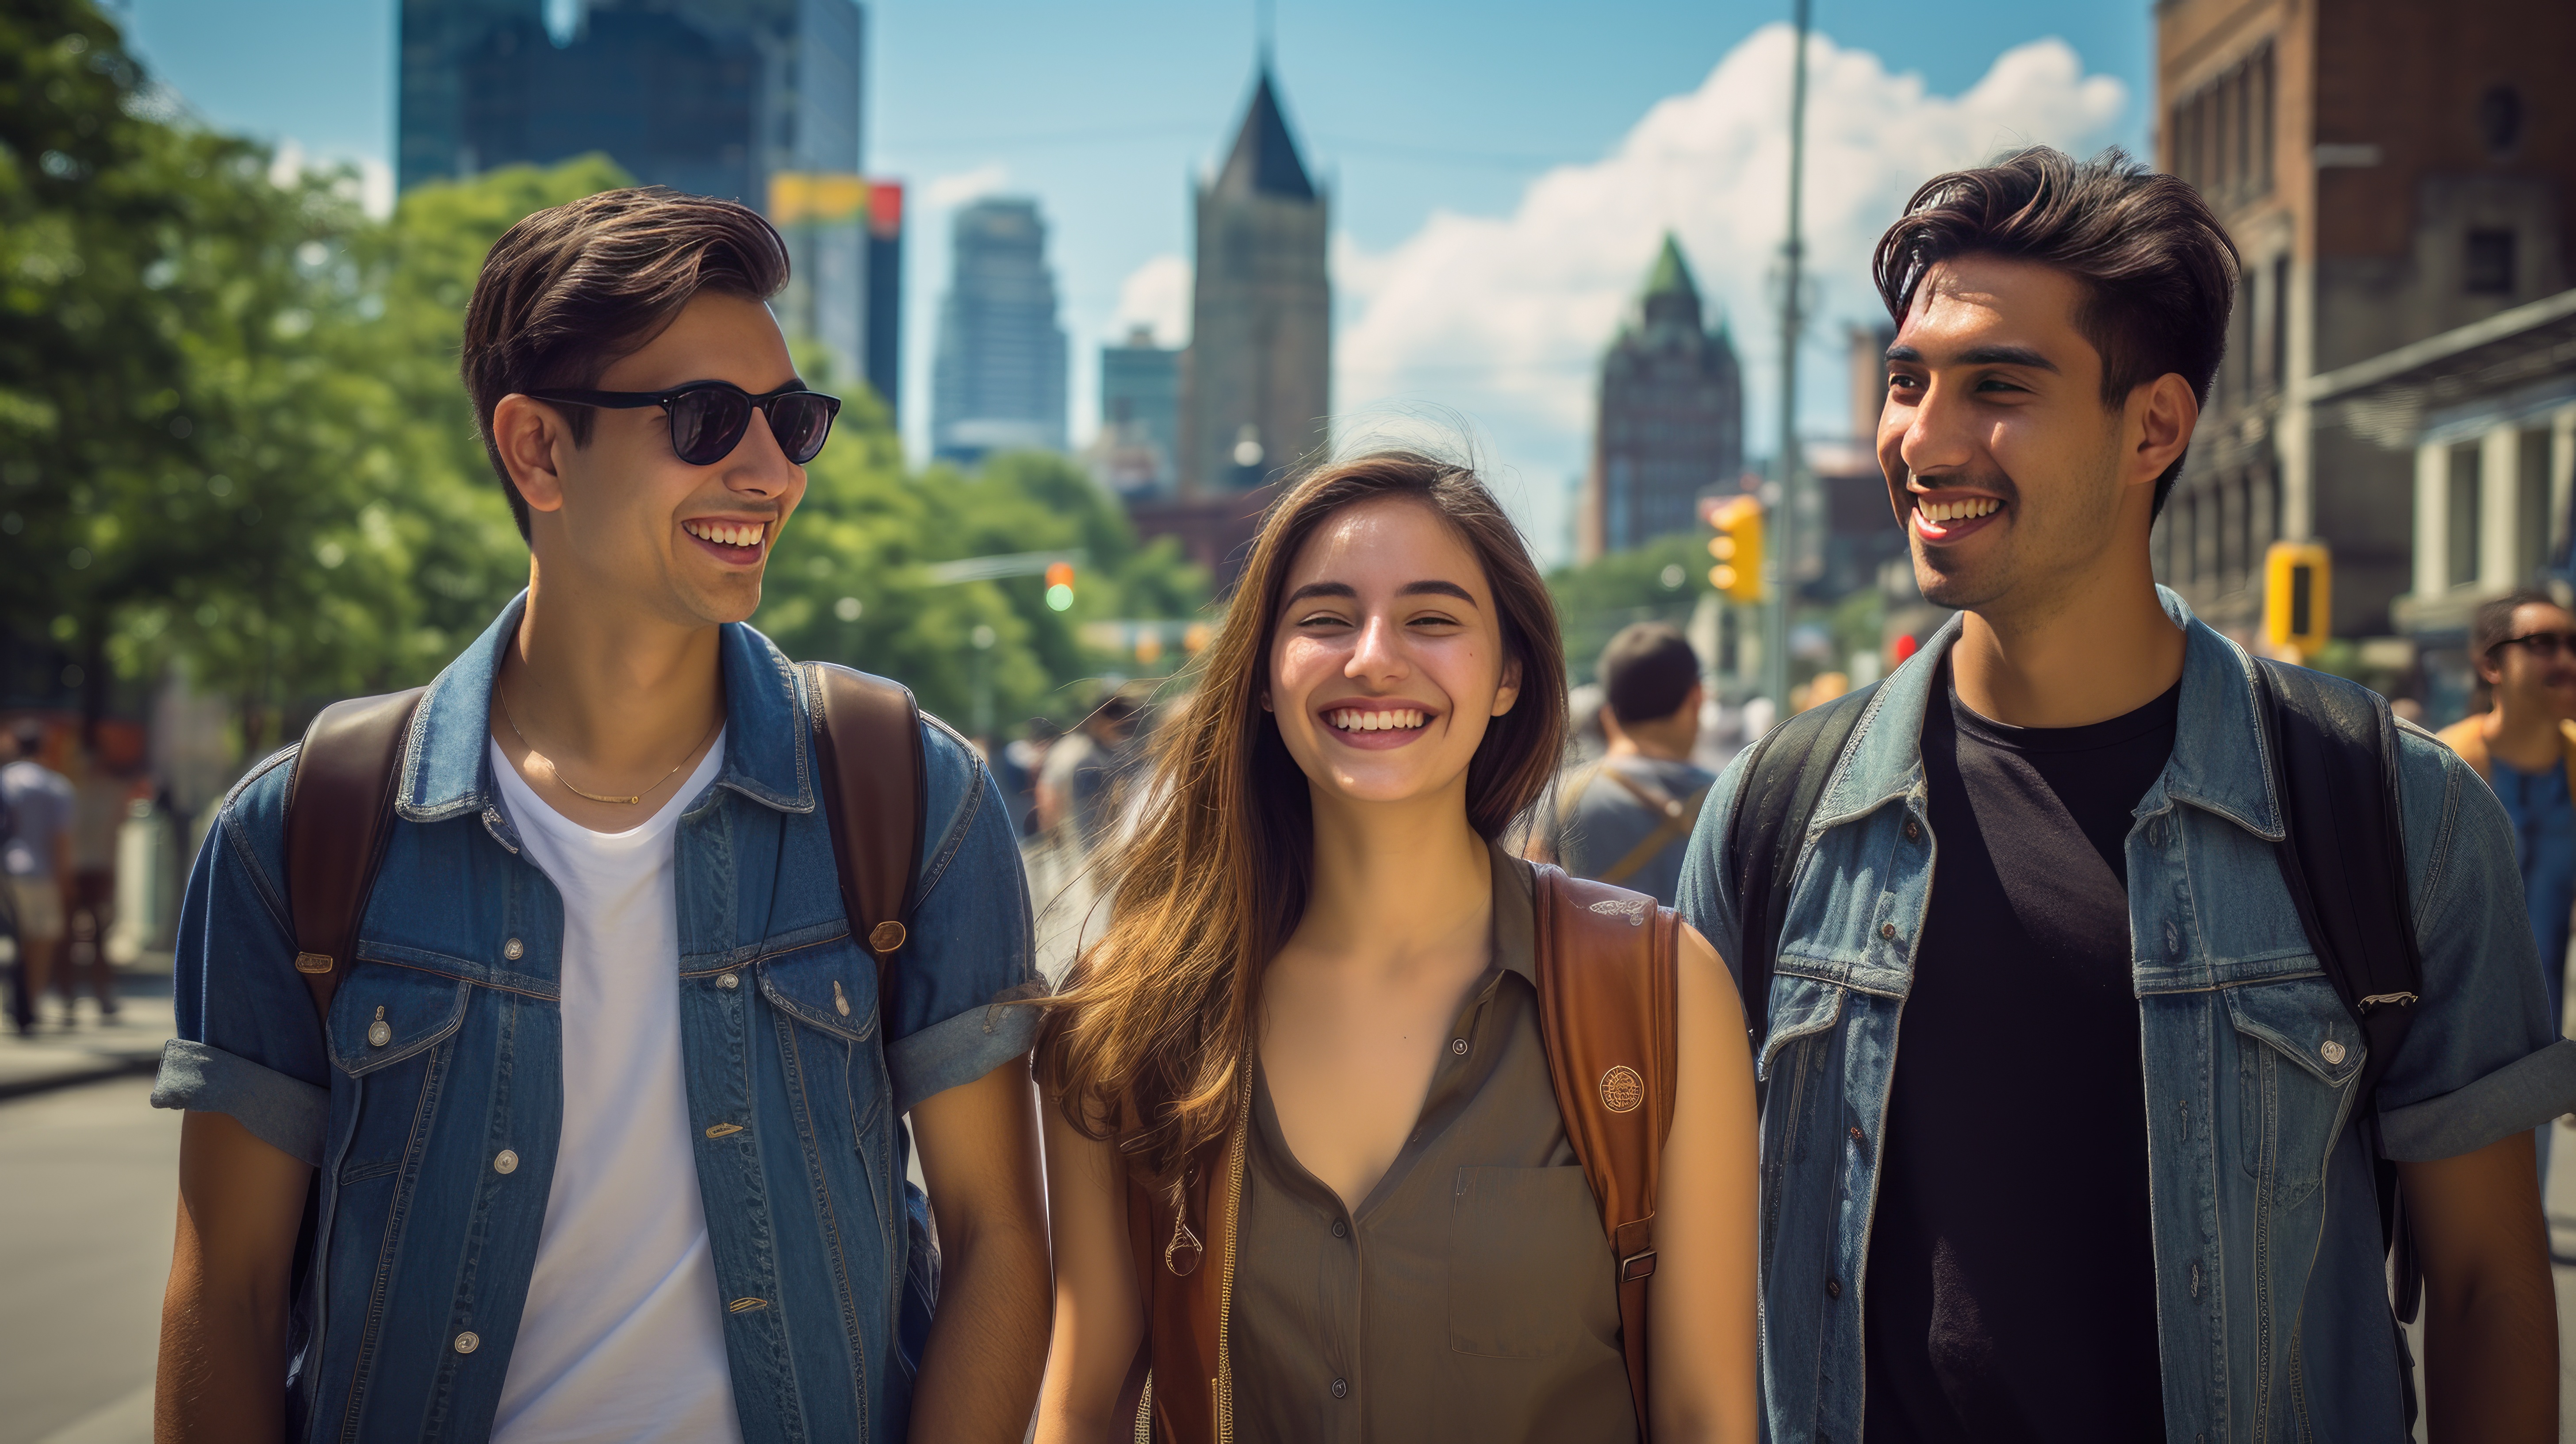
(1505, 317)
(964, 186)
(1155, 295)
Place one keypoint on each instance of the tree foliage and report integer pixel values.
(233, 439)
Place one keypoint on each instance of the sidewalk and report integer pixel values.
(57, 1057)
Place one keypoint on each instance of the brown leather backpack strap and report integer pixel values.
(869, 766)
(1607, 1015)
(339, 813)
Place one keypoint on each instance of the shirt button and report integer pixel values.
(513, 949)
(1458, 1046)
(1341, 1229)
(1833, 1288)
(727, 980)
(505, 1161)
(1341, 1388)
(1887, 930)
(468, 1342)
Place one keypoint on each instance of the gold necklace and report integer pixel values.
(567, 784)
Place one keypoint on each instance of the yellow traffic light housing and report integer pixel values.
(1059, 585)
(2298, 596)
(1737, 547)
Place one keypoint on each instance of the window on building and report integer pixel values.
(2490, 263)
(2263, 120)
(2461, 557)
(2531, 504)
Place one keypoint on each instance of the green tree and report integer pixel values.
(1658, 582)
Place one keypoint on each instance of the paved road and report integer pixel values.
(85, 1220)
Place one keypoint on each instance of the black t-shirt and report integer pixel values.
(2011, 1285)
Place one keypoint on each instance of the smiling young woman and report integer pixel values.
(1315, 1165)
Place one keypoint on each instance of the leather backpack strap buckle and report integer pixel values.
(1637, 1266)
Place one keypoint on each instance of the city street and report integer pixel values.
(85, 1226)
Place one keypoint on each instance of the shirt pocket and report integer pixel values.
(2297, 1049)
(1529, 1267)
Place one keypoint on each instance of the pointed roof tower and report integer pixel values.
(1672, 297)
(1265, 161)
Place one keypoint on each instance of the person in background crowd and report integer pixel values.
(2524, 745)
(2060, 1140)
(1018, 766)
(1627, 818)
(98, 810)
(1079, 784)
(36, 856)
(1305, 1158)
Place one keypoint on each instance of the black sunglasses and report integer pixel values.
(708, 418)
(2544, 645)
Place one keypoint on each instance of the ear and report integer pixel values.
(2158, 426)
(1510, 691)
(2490, 669)
(531, 437)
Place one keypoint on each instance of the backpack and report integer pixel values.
(2333, 753)
(1607, 1020)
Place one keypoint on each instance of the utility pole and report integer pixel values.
(1780, 562)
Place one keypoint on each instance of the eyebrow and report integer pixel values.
(1983, 356)
(1347, 592)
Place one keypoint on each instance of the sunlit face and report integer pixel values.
(2001, 460)
(1387, 663)
(631, 517)
(2521, 673)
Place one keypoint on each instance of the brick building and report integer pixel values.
(2393, 171)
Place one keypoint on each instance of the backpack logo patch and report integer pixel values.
(1622, 1090)
(1633, 909)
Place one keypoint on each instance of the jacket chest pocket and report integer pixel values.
(1803, 1012)
(828, 994)
(385, 1031)
(2297, 1051)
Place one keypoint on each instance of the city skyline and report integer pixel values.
(1558, 147)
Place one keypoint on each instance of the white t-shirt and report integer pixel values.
(623, 1335)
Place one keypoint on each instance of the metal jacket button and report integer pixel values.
(1887, 930)
(505, 1161)
(468, 1342)
(512, 949)
(1833, 1288)
(1913, 830)
(840, 1000)
(727, 980)
(2331, 1051)
(379, 1032)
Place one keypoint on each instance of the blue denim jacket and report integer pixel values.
(794, 1099)
(2271, 1310)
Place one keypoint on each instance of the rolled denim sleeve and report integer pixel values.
(2482, 1059)
(249, 1043)
(1706, 899)
(966, 993)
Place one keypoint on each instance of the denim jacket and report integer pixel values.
(795, 1083)
(2271, 1311)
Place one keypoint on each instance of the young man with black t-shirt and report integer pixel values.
(2110, 1186)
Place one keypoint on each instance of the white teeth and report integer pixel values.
(1938, 511)
(727, 533)
(1352, 719)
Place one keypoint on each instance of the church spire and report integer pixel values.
(1265, 160)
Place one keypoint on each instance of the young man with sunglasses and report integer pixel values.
(2063, 1136)
(2524, 745)
(605, 1117)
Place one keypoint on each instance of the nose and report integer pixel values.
(757, 466)
(1377, 656)
(1936, 432)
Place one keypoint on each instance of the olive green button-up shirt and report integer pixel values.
(1471, 1295)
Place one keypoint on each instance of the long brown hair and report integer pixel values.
(1147, 1040)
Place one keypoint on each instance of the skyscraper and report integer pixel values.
(998, 382)
(1256, 383)
(885, 292)
(1140, 416)
(714, 97)
(1671, 420)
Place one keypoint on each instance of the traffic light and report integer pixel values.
(2298, 596)
(1059, 580)
(1737, 547)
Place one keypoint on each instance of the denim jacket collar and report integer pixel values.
(446, 768)
(2221, 759)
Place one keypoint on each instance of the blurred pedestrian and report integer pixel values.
(1626, 819)
(1081, 782)
(2067, 1135)
(1017, 768)
(99, 798)
(2524, 745)
(36, 856)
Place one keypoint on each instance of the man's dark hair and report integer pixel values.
(569, 290)
(1647, 671)
(2494, 621)
(2158, 269)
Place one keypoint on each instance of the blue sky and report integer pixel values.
(1420, 116)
